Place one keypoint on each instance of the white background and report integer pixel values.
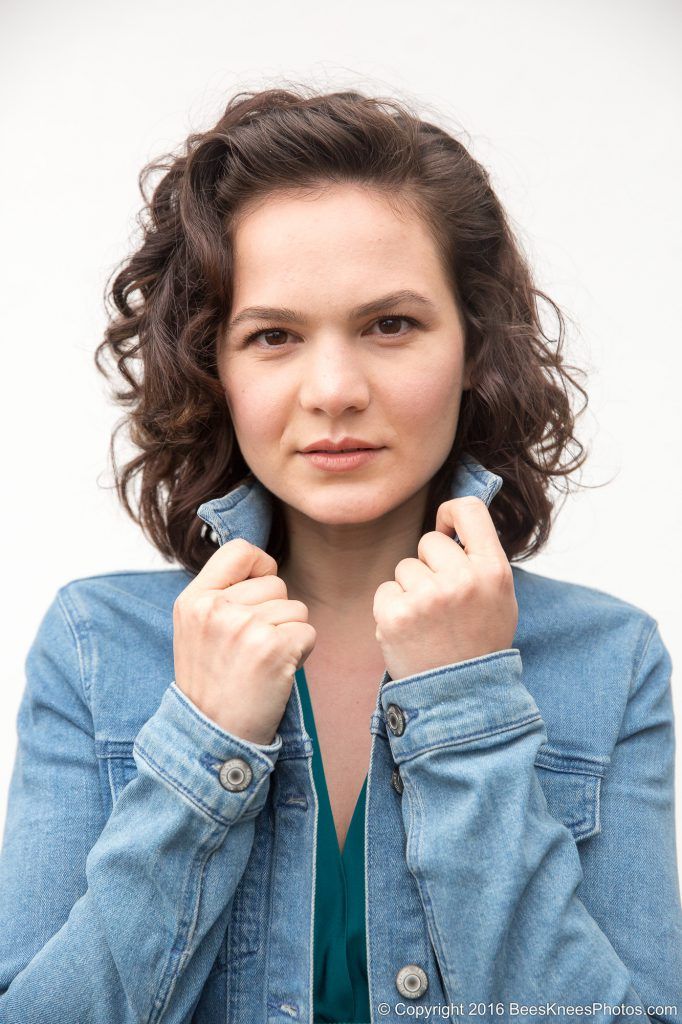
(574, 108)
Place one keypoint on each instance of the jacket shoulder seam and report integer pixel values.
(645, 640)
(76, 626)
(118, 573)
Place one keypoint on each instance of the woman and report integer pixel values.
(348, 683)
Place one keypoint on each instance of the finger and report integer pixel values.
(279, 610)
(302, 635)
(470, 519)
(386, 593)
(410, 572)
(233, 562)
(441, 553)
(257, 590)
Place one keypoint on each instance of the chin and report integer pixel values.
(337, 510)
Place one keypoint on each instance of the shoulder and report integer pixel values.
(123, 626)
(582, 649)
(561, 610)
(126, 592)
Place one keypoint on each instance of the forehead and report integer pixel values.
(347, 230)
(354, 205)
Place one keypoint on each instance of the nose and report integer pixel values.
(333, 377)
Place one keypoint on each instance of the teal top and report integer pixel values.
(341, 992)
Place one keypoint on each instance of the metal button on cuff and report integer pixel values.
(235, 774)
(396, 780)
(395, 719)
(411, 981)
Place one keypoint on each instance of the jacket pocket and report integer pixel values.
(572, 787)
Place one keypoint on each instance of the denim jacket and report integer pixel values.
(520, 855)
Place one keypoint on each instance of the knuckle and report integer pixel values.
(424, 540)
(241, 618)
(203, 610)
(467, 585)
(471, 501)
(500, 574)
(184, 606)
(256, 639)
(214, 606)
(237, 544)
(244, 548)
(447, 592)
(395, 619)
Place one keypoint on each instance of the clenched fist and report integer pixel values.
(238, 640)
(451, 603)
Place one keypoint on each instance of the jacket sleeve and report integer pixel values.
(119, 918)
(498, 875)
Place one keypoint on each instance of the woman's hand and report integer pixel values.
(451, 603)
(238, 640)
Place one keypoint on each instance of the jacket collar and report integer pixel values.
(246, 511)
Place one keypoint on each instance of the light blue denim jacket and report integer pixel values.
(519, 844)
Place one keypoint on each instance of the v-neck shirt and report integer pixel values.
(341, 992)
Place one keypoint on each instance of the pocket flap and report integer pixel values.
(572, 787)
(118, 757)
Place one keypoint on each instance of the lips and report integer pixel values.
(340, 461)
(343, 444)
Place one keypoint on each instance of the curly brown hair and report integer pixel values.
(516, 419)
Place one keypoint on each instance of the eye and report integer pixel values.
(395, 320)
(280, 343)
(251, 338)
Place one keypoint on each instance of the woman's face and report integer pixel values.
(318, 367)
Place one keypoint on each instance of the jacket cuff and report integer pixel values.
(186, 750)
(458, 703)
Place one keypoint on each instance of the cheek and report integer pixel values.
(431, 401)
(256, 409)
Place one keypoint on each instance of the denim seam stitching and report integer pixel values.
(597, 809)
(567, 765)
(423, 888)
(591, 820)
(456, 668)
(191, 796)
(458, 741)
(73, 628)
(270, 908)
(637, 666)
(645, 641)
(116, 573)
(174, 960)
(228, 501)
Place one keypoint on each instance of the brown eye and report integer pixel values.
(394, 321)
(257, 334)
(391, 320)
(276, 337)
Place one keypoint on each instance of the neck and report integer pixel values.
(336, 569)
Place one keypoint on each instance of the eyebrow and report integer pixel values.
(366, 309)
